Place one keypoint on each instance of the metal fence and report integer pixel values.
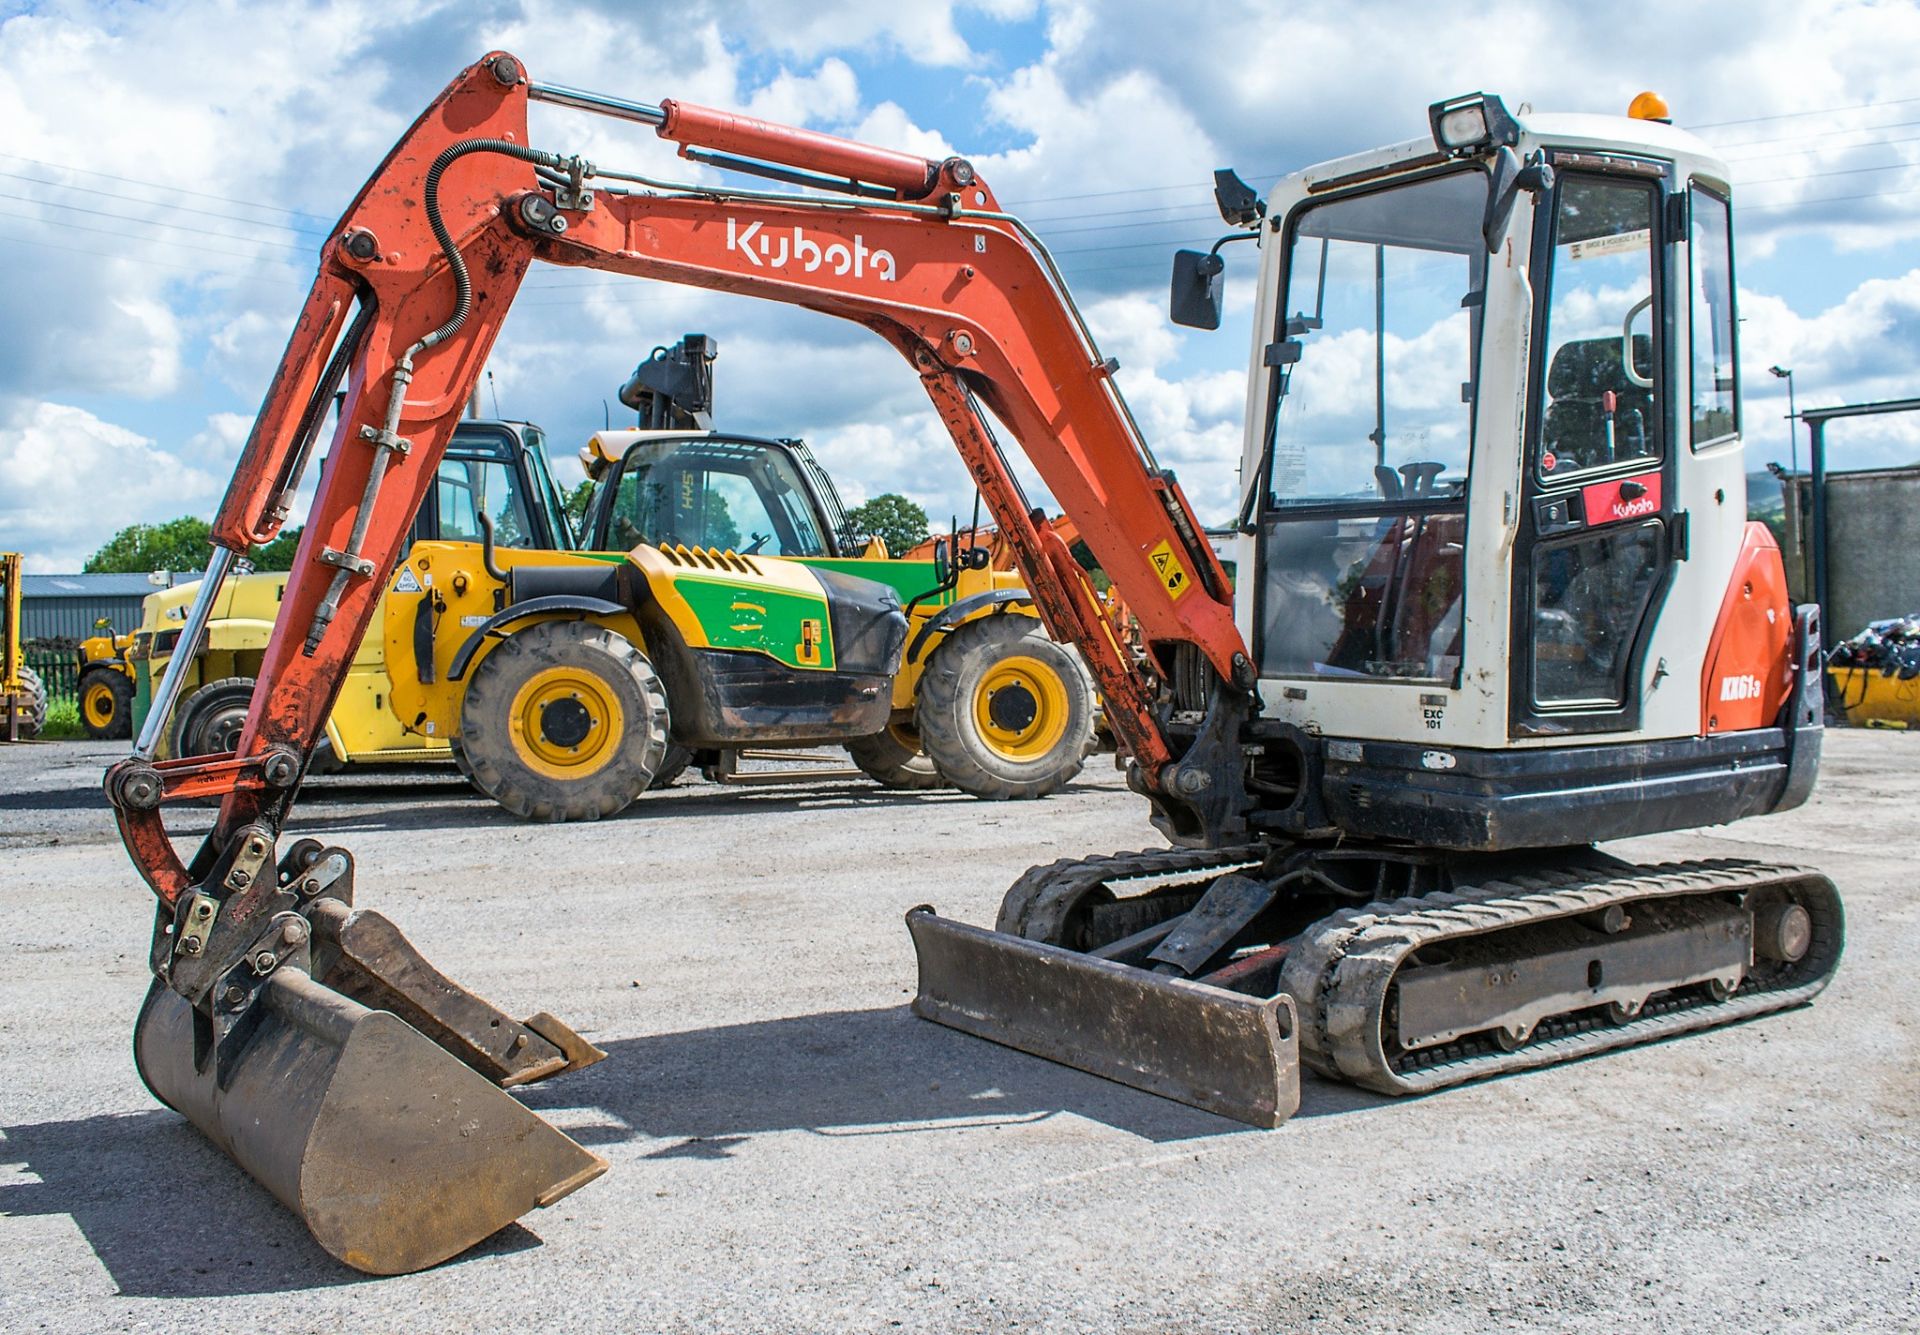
(58, 665)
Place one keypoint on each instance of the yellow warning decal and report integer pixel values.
(1171, 572)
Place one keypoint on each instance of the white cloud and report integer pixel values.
(923, 31)
(175, 314)
(1861, 349)
(218, 444)
(69, 481)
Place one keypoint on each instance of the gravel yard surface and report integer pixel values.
(793, 1151)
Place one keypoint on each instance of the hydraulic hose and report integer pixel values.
(387, 440)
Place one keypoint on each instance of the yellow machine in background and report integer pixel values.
(491, 467)
(720, 606)
(736, 620)
(739, 557)
(107, 685)
(23, 698)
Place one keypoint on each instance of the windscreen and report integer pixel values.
(1381, 319)
(733, 495)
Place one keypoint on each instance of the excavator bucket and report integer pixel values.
(395, 1153)
(1213, 1048)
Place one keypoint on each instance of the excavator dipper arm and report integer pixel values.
(255, 1027)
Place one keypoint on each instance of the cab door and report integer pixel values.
(1598, 536)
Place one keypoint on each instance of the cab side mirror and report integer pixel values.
(1198, 293)
(1504, 183)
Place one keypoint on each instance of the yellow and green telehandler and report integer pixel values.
(714, 602)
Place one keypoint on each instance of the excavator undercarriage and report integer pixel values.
(1389, 969)
(1383, 755)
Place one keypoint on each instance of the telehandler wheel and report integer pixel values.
(35, 720)
(894, 759)
(106, 704)
(1005, 712)
(459, 754)
(564, 721)
(209, 721)
(678, 758)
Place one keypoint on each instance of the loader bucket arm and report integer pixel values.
(260, 963)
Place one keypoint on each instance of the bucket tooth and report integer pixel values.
(393, 1153)
(1223, 1051)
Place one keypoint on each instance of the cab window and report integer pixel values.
(466, 488)
(546, 491)
(1710, 243)
(1601, 408)
(1370, 420)
(733, 497)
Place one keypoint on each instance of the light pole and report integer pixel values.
(1793, 437)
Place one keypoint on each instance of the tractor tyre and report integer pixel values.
(1005, 712)
(459, 754)
(106, 704)
(323, 760)
(564, 721)
(678, 758)
(894, 759)
(35, 720)
(209, 722)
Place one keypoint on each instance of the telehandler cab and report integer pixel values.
(1497, 599)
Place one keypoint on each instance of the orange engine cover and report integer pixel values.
(1749, 659)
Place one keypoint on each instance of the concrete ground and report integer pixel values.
(792, 1151)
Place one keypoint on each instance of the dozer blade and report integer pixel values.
(394, 1154)
(1223, 1051)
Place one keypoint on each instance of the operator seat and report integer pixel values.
(1574, 435)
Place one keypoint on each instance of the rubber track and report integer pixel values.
(1341, 971)
(1036, 905)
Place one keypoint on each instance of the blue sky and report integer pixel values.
(169, 169)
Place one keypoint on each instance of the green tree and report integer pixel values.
(576, 505)
(278, 554)
(892, 518)
(178, 544)
(717, 527)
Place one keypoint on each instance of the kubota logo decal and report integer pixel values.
(1623, 509)
(778, 248)
(1739, 688)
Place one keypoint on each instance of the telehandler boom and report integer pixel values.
(1468, 642)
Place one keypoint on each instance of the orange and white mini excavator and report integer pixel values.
(1496, 600)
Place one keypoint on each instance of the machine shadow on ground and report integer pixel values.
(169, 1215)
(162, 1208)
(405, 798)
(438, 805)
(847, 1073)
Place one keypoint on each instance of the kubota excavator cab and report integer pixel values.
(1495, 496)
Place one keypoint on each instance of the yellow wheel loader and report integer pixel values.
(107, 683)
(751, 647)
